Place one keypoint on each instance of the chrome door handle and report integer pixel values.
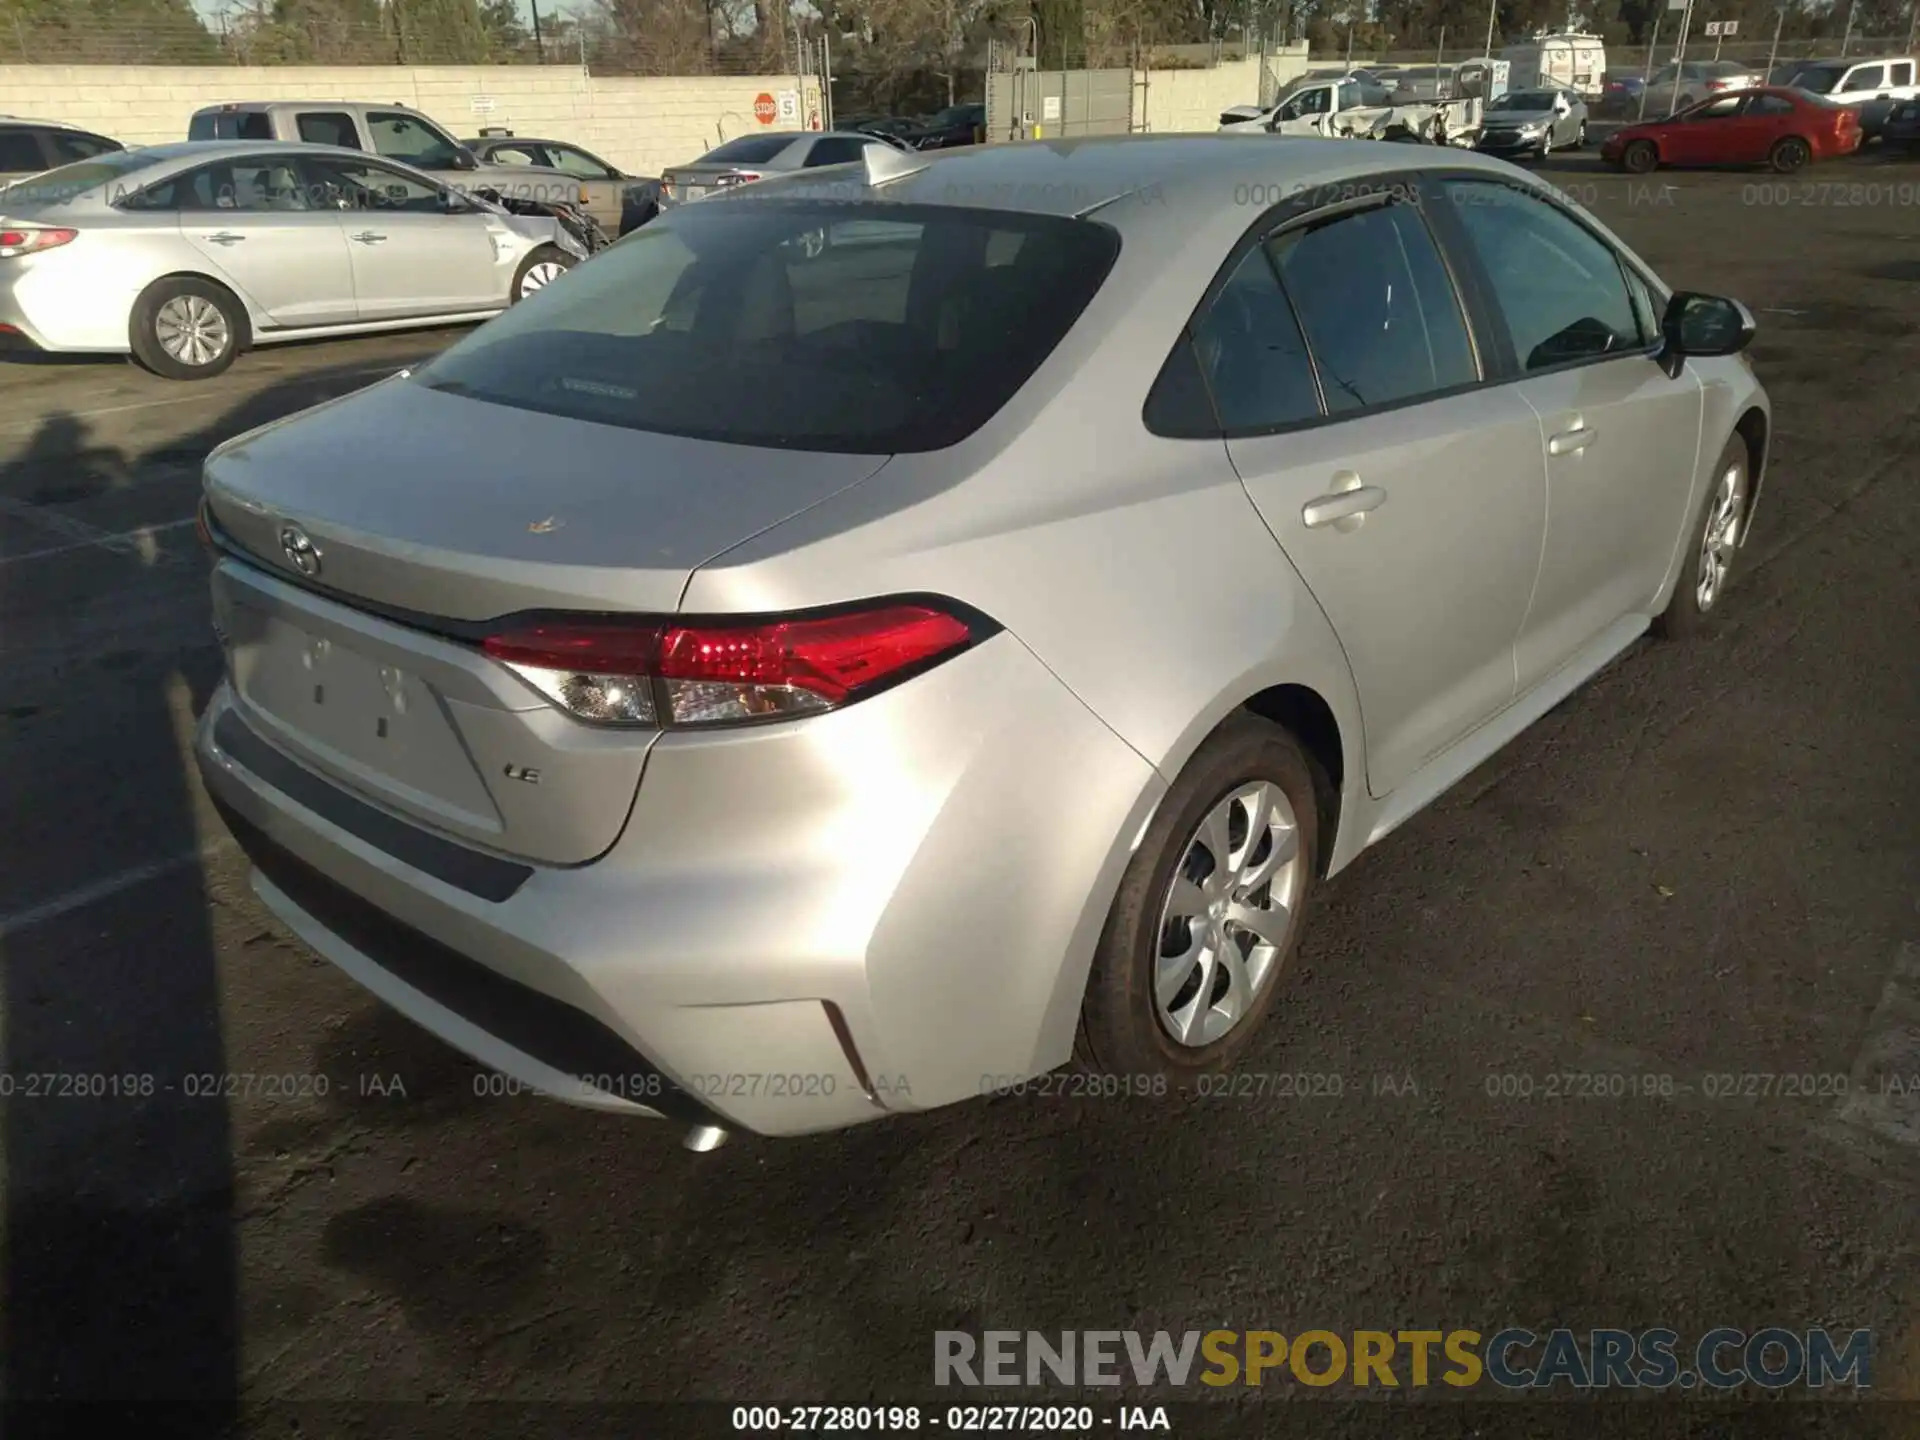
(225, 237)
(1568, 441)
(1345, 506)
(367, 237)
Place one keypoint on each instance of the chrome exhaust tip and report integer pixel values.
(702, 1138)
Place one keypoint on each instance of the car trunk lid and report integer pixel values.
(378, 538)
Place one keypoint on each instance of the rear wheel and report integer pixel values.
(1640, 157)
(1789, 155)
(1580, 139)
(186, 328)
(539, 270)
(1210, 910)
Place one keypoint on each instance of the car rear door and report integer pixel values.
(411, 254)
(1573, 323)
(254, 222)
(1410, 497)
(1868, 91)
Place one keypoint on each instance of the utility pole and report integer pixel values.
(539, 44)
(1773, 55)
(1846, 38)
(1493, 9)
(1679, 57)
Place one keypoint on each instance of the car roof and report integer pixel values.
(1172, 177)
(43, 124)
(350, 106)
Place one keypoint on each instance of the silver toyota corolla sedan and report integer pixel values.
(188, 254)
(778, 685)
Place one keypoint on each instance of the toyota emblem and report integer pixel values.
(301, 552)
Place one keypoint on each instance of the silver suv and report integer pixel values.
(396, 132)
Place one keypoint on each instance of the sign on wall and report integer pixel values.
(789, 104)
(1050, 108)
(483, 104)
(764, 109)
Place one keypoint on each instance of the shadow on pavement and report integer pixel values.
(121, 1271)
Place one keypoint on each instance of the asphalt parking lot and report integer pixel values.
(1703, 865)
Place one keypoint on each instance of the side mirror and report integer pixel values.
(463, 159)
(1704, 325)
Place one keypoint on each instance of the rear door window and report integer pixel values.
(328, 127)
(835, 150)
(1251, 352)
(71, 145)
(230, 125)
(1902, 73)
(20, 153)
(1865, 77)
(735, 322)
(1378, 308)
(747, 150)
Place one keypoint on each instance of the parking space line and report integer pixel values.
(106, 889)
(78, 533)
(135, 540)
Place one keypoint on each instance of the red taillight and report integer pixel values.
(720, 673)
(738, 177)
(30, 241)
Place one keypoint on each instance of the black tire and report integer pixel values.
(1789, 156)
(1120, 1030)
(1580, 137)
(165, 304)
(538, 259)
(1641, 157)
(1685, 615)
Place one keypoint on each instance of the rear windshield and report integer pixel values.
(230, 125)
(69, 182)
(747, 150)
(861, 328)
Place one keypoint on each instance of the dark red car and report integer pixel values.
(1780, 128)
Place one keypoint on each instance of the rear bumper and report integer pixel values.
(804, 926)
(55, 302)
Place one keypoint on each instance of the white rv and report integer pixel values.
(1568, 62)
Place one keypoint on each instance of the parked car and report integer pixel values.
(187, 254)
(1620, 92)
(1871, 88)
(617, 201)
(851, 713)
(1902, 130)
(1533, 123)
(770, 152)
(1783, 129)
(894, 127)
(954, 126)
(1674, 88)
(395, 132)
(28, 147)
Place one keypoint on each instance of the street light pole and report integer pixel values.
(1493, 9)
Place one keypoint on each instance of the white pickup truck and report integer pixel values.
(1356, 108)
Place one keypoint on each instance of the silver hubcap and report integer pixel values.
(192, 330)
(541, 275)
(1722, 533)
(1228, 914)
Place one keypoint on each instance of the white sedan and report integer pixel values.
(184, 255)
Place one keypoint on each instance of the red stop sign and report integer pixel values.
(764, 109)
